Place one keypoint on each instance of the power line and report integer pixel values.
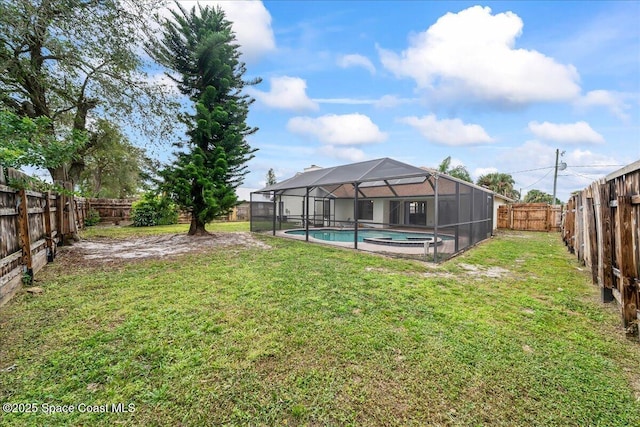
(530, 170)
(596, 166)
(579, 175)
(531, 185)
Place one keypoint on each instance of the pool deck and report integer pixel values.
(446, 246)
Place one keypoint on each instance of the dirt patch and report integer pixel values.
(493, 272)
(103, 251)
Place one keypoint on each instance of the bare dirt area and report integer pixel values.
(107, 251)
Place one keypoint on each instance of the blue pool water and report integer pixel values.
(347, 235)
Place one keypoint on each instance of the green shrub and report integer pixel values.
(93, 217)
(153, 210)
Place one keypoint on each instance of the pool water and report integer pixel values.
(347, 235)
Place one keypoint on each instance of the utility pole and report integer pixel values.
(555, 178)
(563, 166)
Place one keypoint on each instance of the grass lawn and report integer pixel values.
(510, 333)
(119, 232)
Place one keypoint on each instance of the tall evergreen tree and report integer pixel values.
(271, 177)
(199, 47)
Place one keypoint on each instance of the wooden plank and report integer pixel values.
(633, 167)
(34, 194)
(6, 189)
(625, 261)
(10, 258)
(593, 240)
(618, 297)
(48, 232)
(60, 216)
(35, 210)
(23, 230)
(607, 236)
(39, 261)
(9, 285)
(635, 199)
(8, 212)
(17, 271)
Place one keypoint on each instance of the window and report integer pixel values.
(365, 209)
(416, 213)
(394, 212)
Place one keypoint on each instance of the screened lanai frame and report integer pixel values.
(380, 194)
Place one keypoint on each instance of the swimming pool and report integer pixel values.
(383, 237)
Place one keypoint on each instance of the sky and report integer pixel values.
(498, 86)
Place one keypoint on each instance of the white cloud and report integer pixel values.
(344, 101)
(532, 167)
(332, 129)
(472, 55)
(251, 24)
(355, 60)
(343, 153)
(613, 101)
(392, 101)
(386, 101)
(288, 93)
(590, 162)
(478, 172)
(452, 132)
(573, 133)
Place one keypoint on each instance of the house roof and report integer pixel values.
(503, 197)
(369, 171)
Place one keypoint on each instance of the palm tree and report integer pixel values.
(459, 171)
(501, 183)
(537, 196)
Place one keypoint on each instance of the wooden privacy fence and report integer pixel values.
(119, 210)
(530, 217)
(601, 225)
(112, 210)
(32, 225)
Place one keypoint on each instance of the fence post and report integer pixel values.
(510, 216)
(23, 230)
(61, 203)
(47, 227)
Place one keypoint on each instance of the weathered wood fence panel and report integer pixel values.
(32, 225)
(530, 217)
(601, 225)
(119, 210)
(112, 210)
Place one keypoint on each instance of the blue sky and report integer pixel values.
(498, 86)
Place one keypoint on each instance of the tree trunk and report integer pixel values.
(197, 226)
(59, 174)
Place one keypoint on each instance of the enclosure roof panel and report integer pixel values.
(371, 170)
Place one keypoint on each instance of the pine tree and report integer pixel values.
(199, 46)
(271, 177)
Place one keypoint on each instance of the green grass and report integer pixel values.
(304, 334)
(120, 232)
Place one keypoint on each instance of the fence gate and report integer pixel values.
(529, 217)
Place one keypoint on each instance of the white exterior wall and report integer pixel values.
(380, 212)
(497, 202)
(292, 206)
(343, 210)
